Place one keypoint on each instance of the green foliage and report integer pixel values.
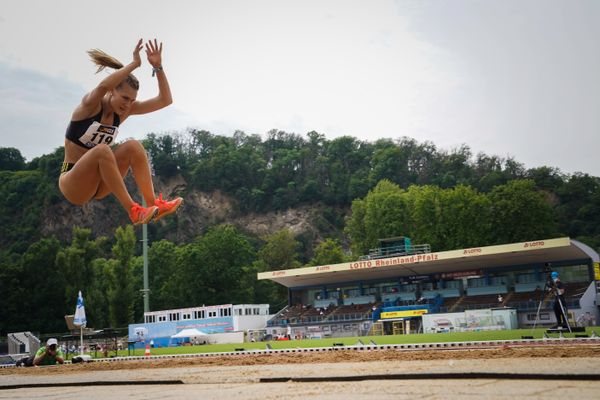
(14, 292)
(222, 254)
(286, 170)
(162, 271)
(120, 292)
(44, 287)
(450, 199)
(11, 159)
(21, 210)
(75, 262)
(520, 213)
(328, 252)
(280, 251)
(453, 218)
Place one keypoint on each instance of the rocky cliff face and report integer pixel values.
(199, 212)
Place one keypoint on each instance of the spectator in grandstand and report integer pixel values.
(49, 354)
(560, 306)
(500, 299)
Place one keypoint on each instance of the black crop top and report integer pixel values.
(89, 132)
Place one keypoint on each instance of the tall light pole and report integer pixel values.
(146, 289)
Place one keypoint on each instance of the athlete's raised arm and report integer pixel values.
(164, 98)
(91, 101)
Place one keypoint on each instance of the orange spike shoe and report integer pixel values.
(166, 207)
(142, 215)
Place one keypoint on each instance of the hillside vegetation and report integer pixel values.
(254, 204)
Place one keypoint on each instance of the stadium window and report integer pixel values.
(162, 318)
(247, 311)
(225, 312)
(238, 311)
(256, 311)
(212, 314)
(187, 316)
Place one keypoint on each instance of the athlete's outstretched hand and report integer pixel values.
(154, 53)
(137, 60)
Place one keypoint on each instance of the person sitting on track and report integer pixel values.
(92, 169)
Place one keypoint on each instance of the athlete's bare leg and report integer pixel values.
(132, 154)
(97, 167)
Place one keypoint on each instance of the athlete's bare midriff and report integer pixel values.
(73, 152)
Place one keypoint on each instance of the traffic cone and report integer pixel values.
(147, 352)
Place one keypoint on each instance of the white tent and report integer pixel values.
(188, 333)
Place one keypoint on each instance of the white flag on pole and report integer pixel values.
(79, 318)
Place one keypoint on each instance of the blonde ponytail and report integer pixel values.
(103, 60)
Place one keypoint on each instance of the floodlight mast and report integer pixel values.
(146, 290)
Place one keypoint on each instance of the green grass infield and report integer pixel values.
(354, 340)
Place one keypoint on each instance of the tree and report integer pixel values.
(120, 292)
(280, 251)
(74, 263)
(355, 228)
(390, 162)
(520, 213)
(11, 159)
(465, 220)
(223, 253)
(455, 168)
(444, 218)
(42, 306)
(14, 292)
(96, 295)
(163, 154)
(163, 271)
(382, 213)
(328, 252)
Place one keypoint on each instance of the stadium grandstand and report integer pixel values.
(401, 288)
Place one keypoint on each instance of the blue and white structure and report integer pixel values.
(159, 326)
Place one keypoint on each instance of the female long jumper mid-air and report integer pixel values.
(94, 166)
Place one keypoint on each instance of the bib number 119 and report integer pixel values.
(100, 138)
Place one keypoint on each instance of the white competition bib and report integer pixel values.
(99, 134)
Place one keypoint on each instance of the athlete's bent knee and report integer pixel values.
(134, 146)
(102, 152)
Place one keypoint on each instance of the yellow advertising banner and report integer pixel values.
(597, 271)
(403, 314)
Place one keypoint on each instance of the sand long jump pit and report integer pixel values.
(566, 371)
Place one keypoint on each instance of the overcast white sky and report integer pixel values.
(518, 78)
